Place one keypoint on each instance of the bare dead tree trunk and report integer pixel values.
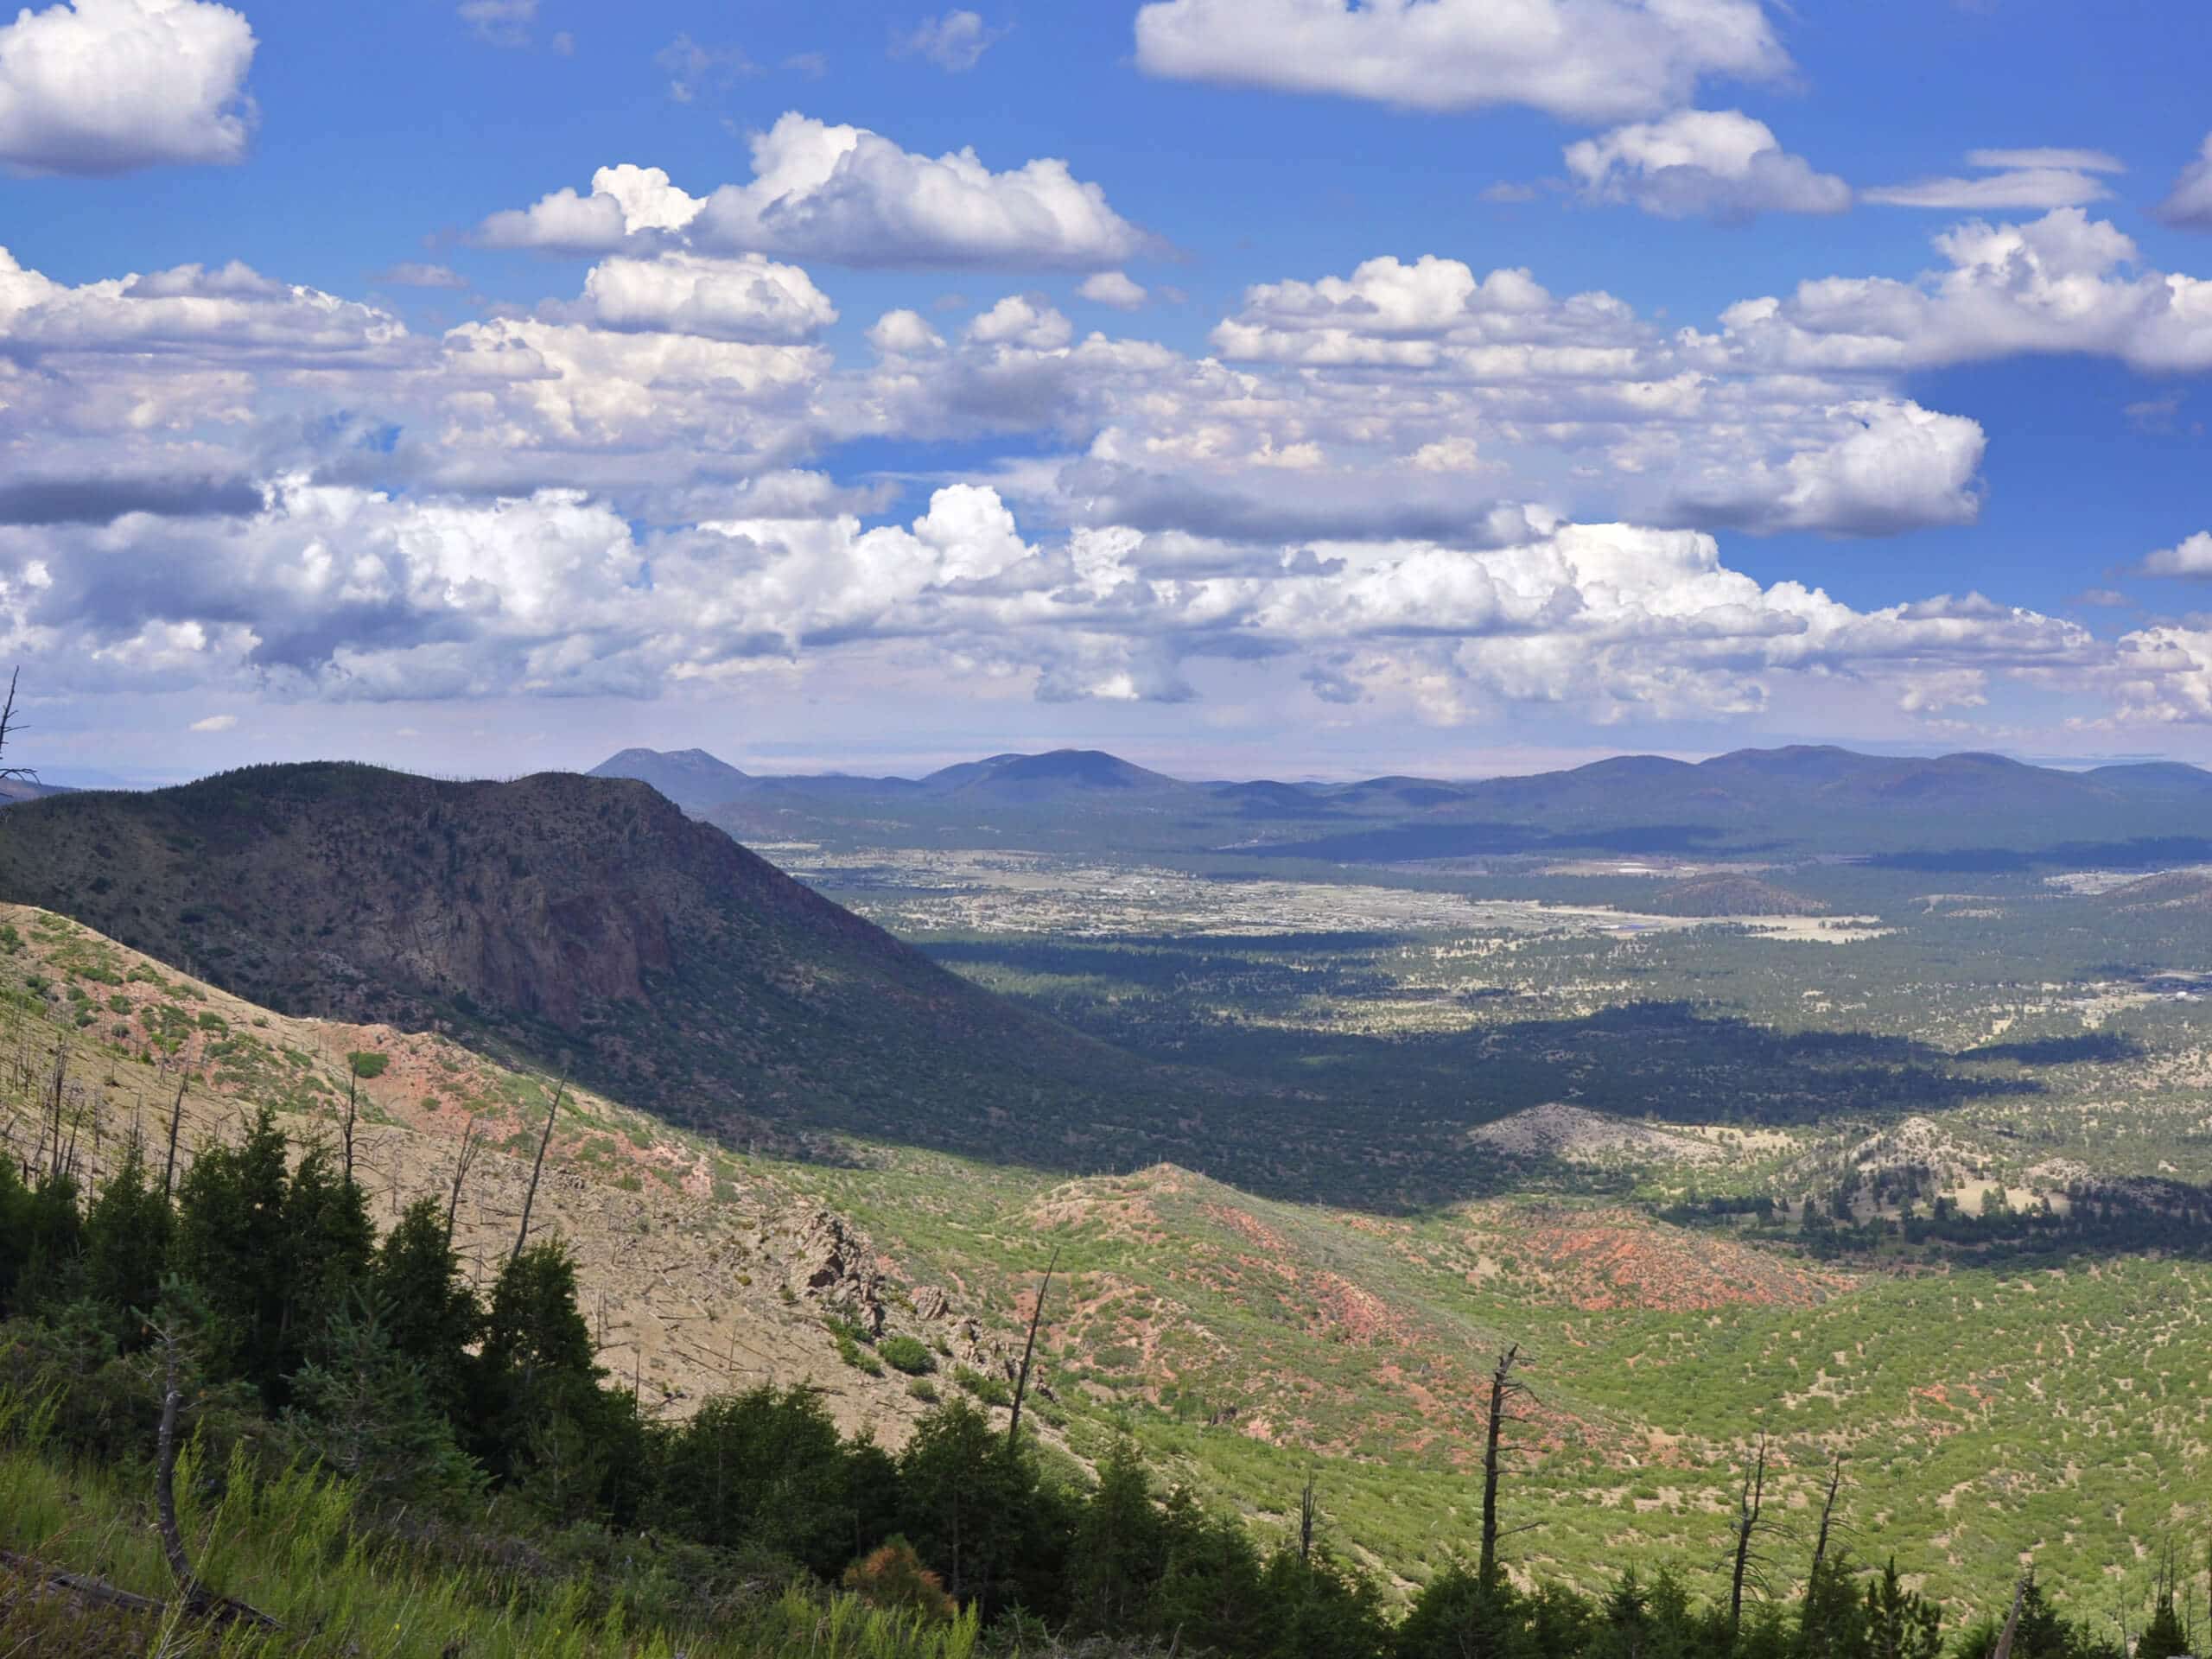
(353, 1091)
(97, 1593)
(1502, 1389)
(1828, 1513)
(538, 1167)
(49, 1127)
(1305, 1521)
(9, 726)
(165, 1477)
(467, 1156)
(198, 1600)
(76, 1125)
(1747, 1521)
(176, 1121)
(1029, 1350)
(2004, 1648)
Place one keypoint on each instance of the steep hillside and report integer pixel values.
(582, 921)
(701, 1272)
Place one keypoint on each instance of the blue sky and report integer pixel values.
(1281, 385)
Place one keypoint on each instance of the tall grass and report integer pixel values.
(288, 1544)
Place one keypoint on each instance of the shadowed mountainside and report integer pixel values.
(571, 918)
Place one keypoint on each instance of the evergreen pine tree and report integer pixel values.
(1210, 1594)
(50, 1269)
(1833, 1618)
(127, 1239)
(231, 1244)
(538, 1417)
(1119, 1549)
(2163, 1637)
(426, 1309)
(763, 1469)
(329, 1242)
(1901, 1623)
(364, 1409)
(15, 1233)
(964, 1502)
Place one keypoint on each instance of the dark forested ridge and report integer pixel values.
(582, 921)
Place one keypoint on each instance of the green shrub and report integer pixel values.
(991, 1390)
(907, 1354)
(366, 1062)
(857, 1357)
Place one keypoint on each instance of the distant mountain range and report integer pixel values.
(28, 789)
(696, 780)
(1803, 799)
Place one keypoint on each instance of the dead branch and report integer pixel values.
(2004, 1648)
(537, 1167)
(9, 726)
(165, 1475)
(1028, 1349)
(346, 1134)
(1747, 1521)
(1827, 1511)
(176, 1122)
(469, 1147)
(1503, 1388)
(1305, 1521)
(83, 1586)
(198, 1600)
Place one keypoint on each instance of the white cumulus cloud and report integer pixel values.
(1593, 60)
(2062, 283)
(96, 86)
(745, 298)
(1024, 319)
(2191, 556)
(1714, 164)
(1112, 287)
(904, 332)
(844, 195)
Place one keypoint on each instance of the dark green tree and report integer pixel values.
(1317, 1604)
(425, 1308)
(1456, 1616)
(2163, 1636)
(1901, 1623)
(1210, 1595)
(52, 1260)
(1832, 1618)
(1120, 1548)
(539, 1418)
(966, 1503)
(362, 1408)
(231, 1243)
(127, 1238)
(764, 1470)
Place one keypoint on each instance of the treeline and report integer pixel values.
(302, 1337)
